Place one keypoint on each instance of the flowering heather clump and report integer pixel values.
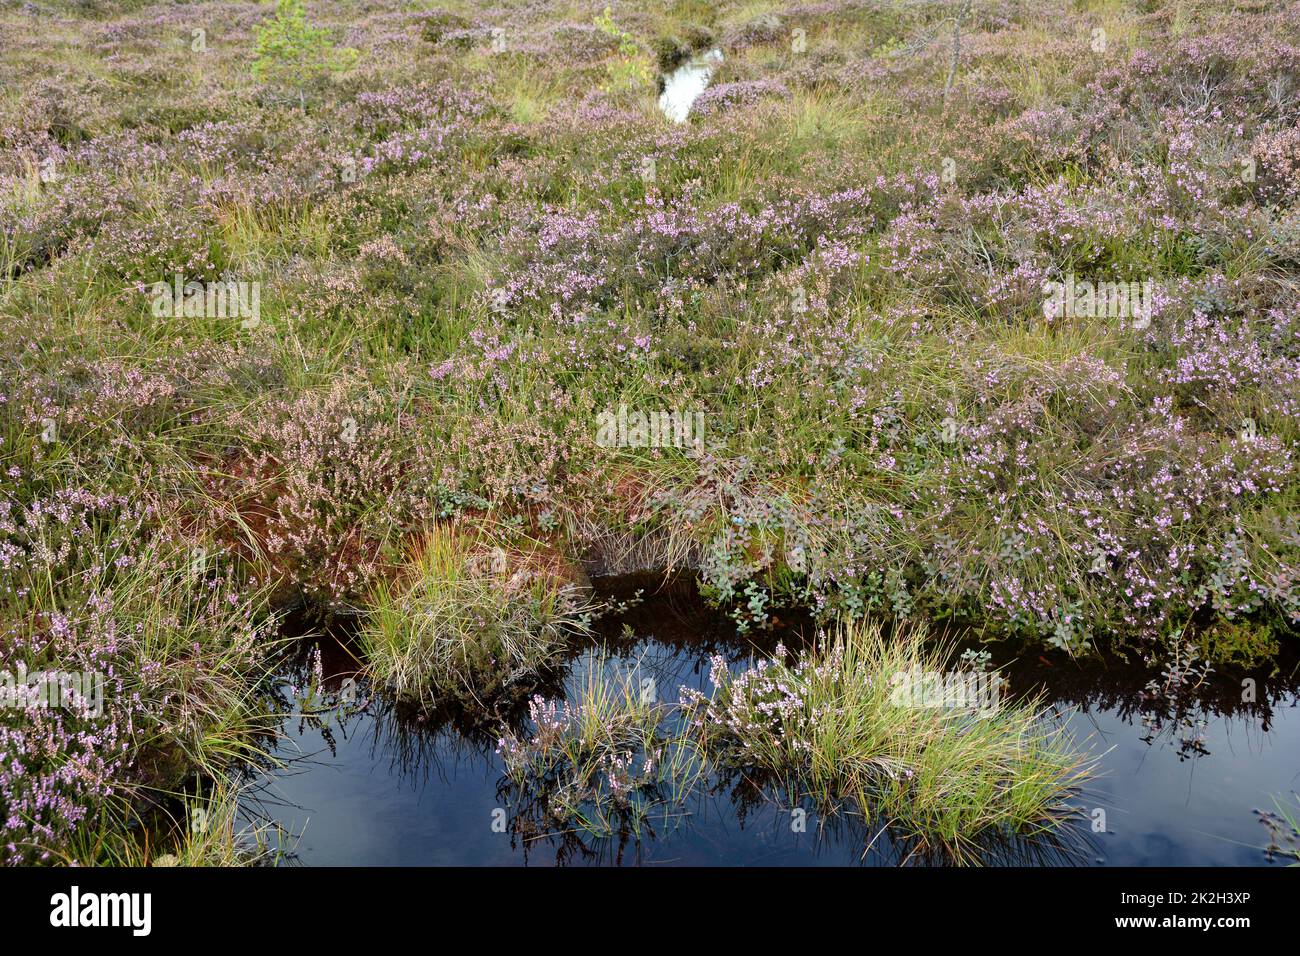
(167, 646)
(764, 28)
(1278, 156)
(578, 262)
(727, 96)
(603, 763)
(61, 762)
(305, 484)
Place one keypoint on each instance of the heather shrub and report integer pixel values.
(317, 489)
(152, 245)
(729, 96)
(170, 639)
(436, 23)
(579, 262)
(611, 761)
(1277, 154)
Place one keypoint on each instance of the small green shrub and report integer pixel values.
(630, 70)
(293, 53)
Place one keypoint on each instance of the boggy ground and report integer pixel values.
(468, 241)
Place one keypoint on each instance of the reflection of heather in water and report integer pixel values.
(1171, 706)
(670, 636)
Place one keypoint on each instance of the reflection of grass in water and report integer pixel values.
(601, 764)
(608, 763)
(760, 802)
(1283, 831)
(832, 730)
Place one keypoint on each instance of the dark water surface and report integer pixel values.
(1179, 776)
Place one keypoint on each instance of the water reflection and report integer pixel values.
(1181, 769)
(684, 85)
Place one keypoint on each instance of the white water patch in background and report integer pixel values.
(684, 84)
